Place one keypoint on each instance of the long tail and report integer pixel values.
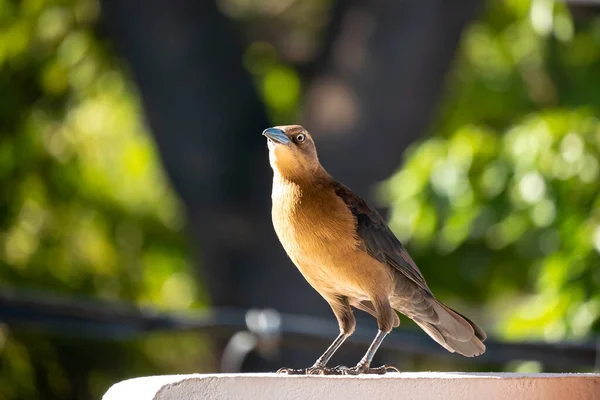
(453, 331)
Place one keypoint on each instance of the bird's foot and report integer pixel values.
(366, 369)
(314, 370)
(292, 371)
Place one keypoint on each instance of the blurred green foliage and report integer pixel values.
(84, 205)
(502, 205)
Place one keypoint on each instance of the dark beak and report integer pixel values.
(277, 135)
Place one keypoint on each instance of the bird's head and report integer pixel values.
(292, 152)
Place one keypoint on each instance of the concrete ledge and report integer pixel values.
(406, 385)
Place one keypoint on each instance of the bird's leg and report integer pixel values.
(385, 320)
(364, 365)
(319, 367)
(343, 313)
(324, 359)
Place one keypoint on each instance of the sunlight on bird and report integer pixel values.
(347, 253)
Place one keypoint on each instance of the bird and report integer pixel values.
(345, 250)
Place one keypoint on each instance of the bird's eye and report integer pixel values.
(300, 138)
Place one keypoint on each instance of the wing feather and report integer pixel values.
(377, 238)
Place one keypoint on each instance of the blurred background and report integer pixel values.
(135, 229)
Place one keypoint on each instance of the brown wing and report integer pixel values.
(377, 238)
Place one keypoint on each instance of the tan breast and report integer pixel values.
(318, 232)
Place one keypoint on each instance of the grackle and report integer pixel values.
(347, 253)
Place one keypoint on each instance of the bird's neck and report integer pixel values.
(301, 182)
(291, 189)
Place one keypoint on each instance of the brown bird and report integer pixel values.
(347, 253)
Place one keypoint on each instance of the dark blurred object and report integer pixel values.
(207, 117)
(381, 83)
(94, 319)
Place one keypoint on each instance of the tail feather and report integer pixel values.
(478, 331)
(469, 348)
(451, 324)
(451, 330)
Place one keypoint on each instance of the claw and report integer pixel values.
(324, 371)
(291, 371)
(340, 370)
(316, 371)
(362, 369)
(351, 371)
(391, 368)
(311, 371)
